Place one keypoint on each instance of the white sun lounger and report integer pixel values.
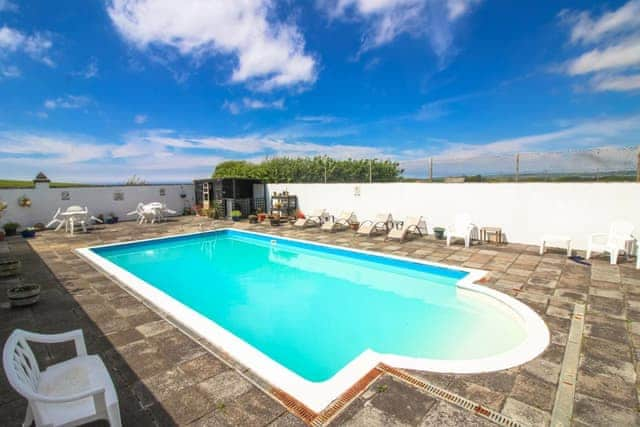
(342, 222)
(314, 219)
(410, 225)
(380, 224)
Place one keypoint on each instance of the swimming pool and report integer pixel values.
(312, 319)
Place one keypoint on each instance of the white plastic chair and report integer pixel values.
(619, 239)
(462, 229)
(73, 392)
(56, 220)
(143, 215)
(79, 216)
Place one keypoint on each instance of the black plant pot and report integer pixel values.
(439, 232)
(10, 231)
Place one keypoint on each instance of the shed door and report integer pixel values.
(205, 195)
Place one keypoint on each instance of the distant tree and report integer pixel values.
(135, 180)
(235, 169)
(312, 169)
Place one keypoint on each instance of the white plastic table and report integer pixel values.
(555, 238)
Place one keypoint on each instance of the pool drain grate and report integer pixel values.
(294, 406)
(452, 398)
(354, 391)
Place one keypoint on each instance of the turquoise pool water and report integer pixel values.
(313, 309)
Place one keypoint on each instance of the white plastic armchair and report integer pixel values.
(462, 229)
(619, 239)
(73, 392)
(137, 212)
(56, 220)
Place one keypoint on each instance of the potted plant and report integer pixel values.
(253, 219)
(23, 295)
(439, 232)
(29, 232)
(112, 219)
(235, 215)
(10, 228)
(275, 219)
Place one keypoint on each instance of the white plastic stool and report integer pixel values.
(555, 238)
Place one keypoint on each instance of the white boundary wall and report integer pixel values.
(99, 200)
(525, 211)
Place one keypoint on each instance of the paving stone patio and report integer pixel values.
(164, 377)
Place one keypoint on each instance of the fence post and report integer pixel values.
(517, 167)
(430, 169)
(638, 165)
(325, 170)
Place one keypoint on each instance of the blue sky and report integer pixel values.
(97, 91)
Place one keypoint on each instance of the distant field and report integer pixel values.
(13, 183)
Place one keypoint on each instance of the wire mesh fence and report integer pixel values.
(598, 164)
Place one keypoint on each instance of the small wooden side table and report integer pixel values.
(487, 232)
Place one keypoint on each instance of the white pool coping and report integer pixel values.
(317, 395)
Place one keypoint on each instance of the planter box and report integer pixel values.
(11, 232)
(24, 295)
(9, 267)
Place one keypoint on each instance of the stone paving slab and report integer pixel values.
(163, 377)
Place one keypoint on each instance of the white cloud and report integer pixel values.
(36, 45)
(56, 148)
(615, 51)
(165, 140)
(385, 20)
(90, 71)
(318, 119)
(9, 72)
(586, 29)
(8, 6)
(539, 152)
(571, 136)
(620, 56)
(67, 102)
(269, 54)
(140, 119)
(617, 83)
(236, 107)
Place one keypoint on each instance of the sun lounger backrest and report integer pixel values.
(411, 221)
